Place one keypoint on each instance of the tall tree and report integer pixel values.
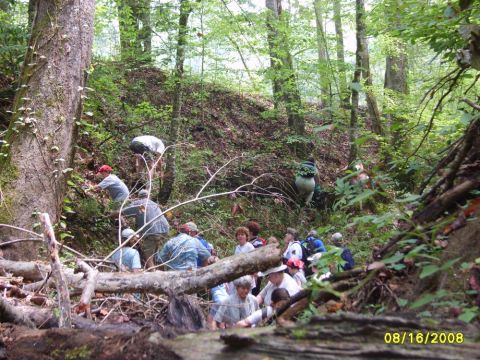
(166, 189)
(372, 105)
(135, 30)
(395, 73)
(342, 76)
(353, 128)
(323, 66)
(42, 132)
(285, 88)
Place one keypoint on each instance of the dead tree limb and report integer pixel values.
(164, 282)
(446, 200)
(89, 289)
(65, 319)
(9, 313)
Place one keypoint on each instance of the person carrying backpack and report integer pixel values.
(310, 246)
(346, 254)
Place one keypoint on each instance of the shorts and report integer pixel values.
(151, 244)
(141, 149)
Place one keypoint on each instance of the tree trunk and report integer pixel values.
(342, 75)
(135, 30)
(167, 186)
(395, 79)
(353, 152)
(365, 66)
(323, 68)
(160, 282)
(43, 130)
(32, 4)
(285, 87)
(145, 33)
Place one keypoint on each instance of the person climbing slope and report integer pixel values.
(145, 148)
(116, 188)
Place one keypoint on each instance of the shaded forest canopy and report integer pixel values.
(383, 95)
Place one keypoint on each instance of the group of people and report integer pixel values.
(238, 303)
(234, 304)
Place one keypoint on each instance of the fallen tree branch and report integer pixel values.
(65, 319)
(89, 289)
(446, 200)
(163, 282)
(9, 313)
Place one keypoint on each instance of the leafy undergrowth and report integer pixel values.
(217, 125)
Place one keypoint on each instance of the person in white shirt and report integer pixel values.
(237, 306)
(280, 297)
(277, 278)
(241, 235)
(144, 147)
(244, 246)
(294, 249)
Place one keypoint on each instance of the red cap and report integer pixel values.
(104, 168)
(295, 263)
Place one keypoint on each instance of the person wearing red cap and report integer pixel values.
(295, 269)
(117, 189)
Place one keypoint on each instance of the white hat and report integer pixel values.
(337, 236)
(192, 226)
(315, 257)
(143, 193)
(126, 233)
(273, 270)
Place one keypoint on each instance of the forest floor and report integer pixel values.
(221, 124)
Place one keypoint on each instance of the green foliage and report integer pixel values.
(13, 41)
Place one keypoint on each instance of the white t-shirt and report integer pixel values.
(287, 283)
(244, 248)
(293, 250)
(259, 315)
(152, 142)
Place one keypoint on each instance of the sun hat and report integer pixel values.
(192, 226)
(337, 236)
(143, 193)
(273, 270)
(126, 233)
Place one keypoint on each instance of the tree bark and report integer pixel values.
(167, 186)
(323, 68)
(161, 282)
(43, 129)
(285, 87)
(396, 78)
(342, 75)
(365, 67)
(352, 134)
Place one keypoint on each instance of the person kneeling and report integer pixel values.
(237, 306)
(279, 298)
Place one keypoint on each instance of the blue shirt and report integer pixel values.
(317, 244)
(145, 210)
(206, 245)
(116, 188)
(130, 258)
(182, 253)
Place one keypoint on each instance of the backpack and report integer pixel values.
(347, 256)
(308, 249)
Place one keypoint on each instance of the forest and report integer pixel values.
(239, 178)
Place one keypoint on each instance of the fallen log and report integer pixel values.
(161, 282)
(9, 313)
